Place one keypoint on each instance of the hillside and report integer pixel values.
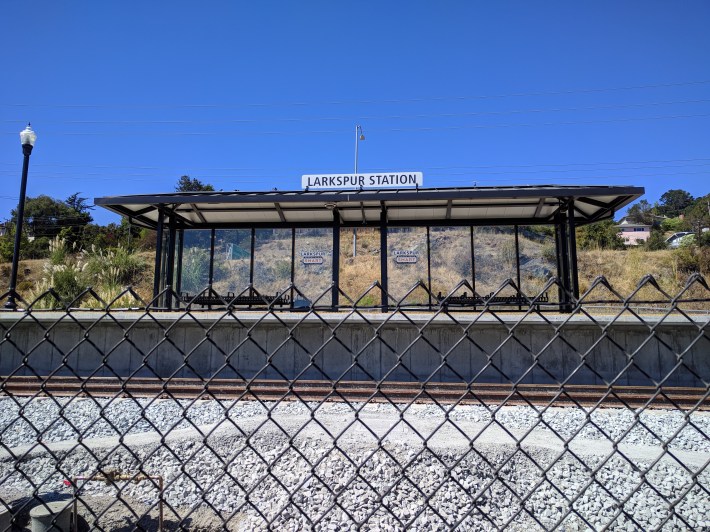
(450, 263)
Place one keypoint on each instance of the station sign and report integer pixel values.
(406, 256)
(313, 257)
(350, 181)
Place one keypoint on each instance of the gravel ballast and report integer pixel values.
(334, 466)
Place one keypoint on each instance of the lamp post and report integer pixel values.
(27, 139)
(358, 137)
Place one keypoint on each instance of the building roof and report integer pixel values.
(422, 206)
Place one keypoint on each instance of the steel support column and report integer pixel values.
(158, 257)
(563, 256)
(252, 248)
(572, 251)
(383, 259)
(170, 266)
(210, 275)
(335, 295)
(428, 263)
(181, 243)
(558, 260)
(293, 263)
(517, 265)
(473, 266)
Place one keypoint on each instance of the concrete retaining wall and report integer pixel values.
(392, 347)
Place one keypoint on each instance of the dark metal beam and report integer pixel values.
(448, 209)
(335, 296)
(293, 263)
(169, 269)
(428, 262)
(613, 206)
(181, 243)
(411, 194)
(383, 259)
(592, 201)
(213, 238)
(517, 263)
(574, 280)
(369, 207)
(197, 211)
(540, 205)
(563, 252)
(391, 223)
(158, 257)
(279, 210)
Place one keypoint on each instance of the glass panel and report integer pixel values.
(313, 266)
(358, 272)
(232, 256)
(538, 259)
(195, 261)
(407, 264)
(494, 253)
(272, 261)
(450, 249)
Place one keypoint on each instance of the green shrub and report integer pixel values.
(114, 267)
(549, 252)
(656, 241)
(57, 251)
(674, 225)
(685, 259)
(195, 269)
(67, 281)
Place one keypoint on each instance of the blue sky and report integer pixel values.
(125, 97)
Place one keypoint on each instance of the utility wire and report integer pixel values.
(285, 169)
(371, 101)
(136, 176)
(374, 117)
(399, 129)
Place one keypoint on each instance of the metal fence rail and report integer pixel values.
(244, 414)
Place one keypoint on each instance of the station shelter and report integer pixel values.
(414, 247)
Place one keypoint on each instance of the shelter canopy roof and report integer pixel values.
(422, 206)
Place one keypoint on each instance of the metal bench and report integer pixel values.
(475, 300)
(231, 300)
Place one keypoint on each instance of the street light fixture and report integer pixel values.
(358, 137)
(27, 139)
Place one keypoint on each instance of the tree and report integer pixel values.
(78, 203)
(192, 184)
(641, 212)
(698, 215)
(674, 202)
(600, 235)
(656, 241)
(674, 225)
(48, 217)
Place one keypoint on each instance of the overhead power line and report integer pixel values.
(372, 117)
(369, 101)
(302, 132)
(179, 169)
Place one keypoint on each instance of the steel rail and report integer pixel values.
(356, 391)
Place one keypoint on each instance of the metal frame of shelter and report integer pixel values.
(564, 207)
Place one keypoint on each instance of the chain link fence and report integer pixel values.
(488, 414)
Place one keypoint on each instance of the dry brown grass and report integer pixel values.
(450, 264)
(624, 269)
(32, 277)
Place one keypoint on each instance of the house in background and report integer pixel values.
(633, 233)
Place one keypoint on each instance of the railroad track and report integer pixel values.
(398, 392)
